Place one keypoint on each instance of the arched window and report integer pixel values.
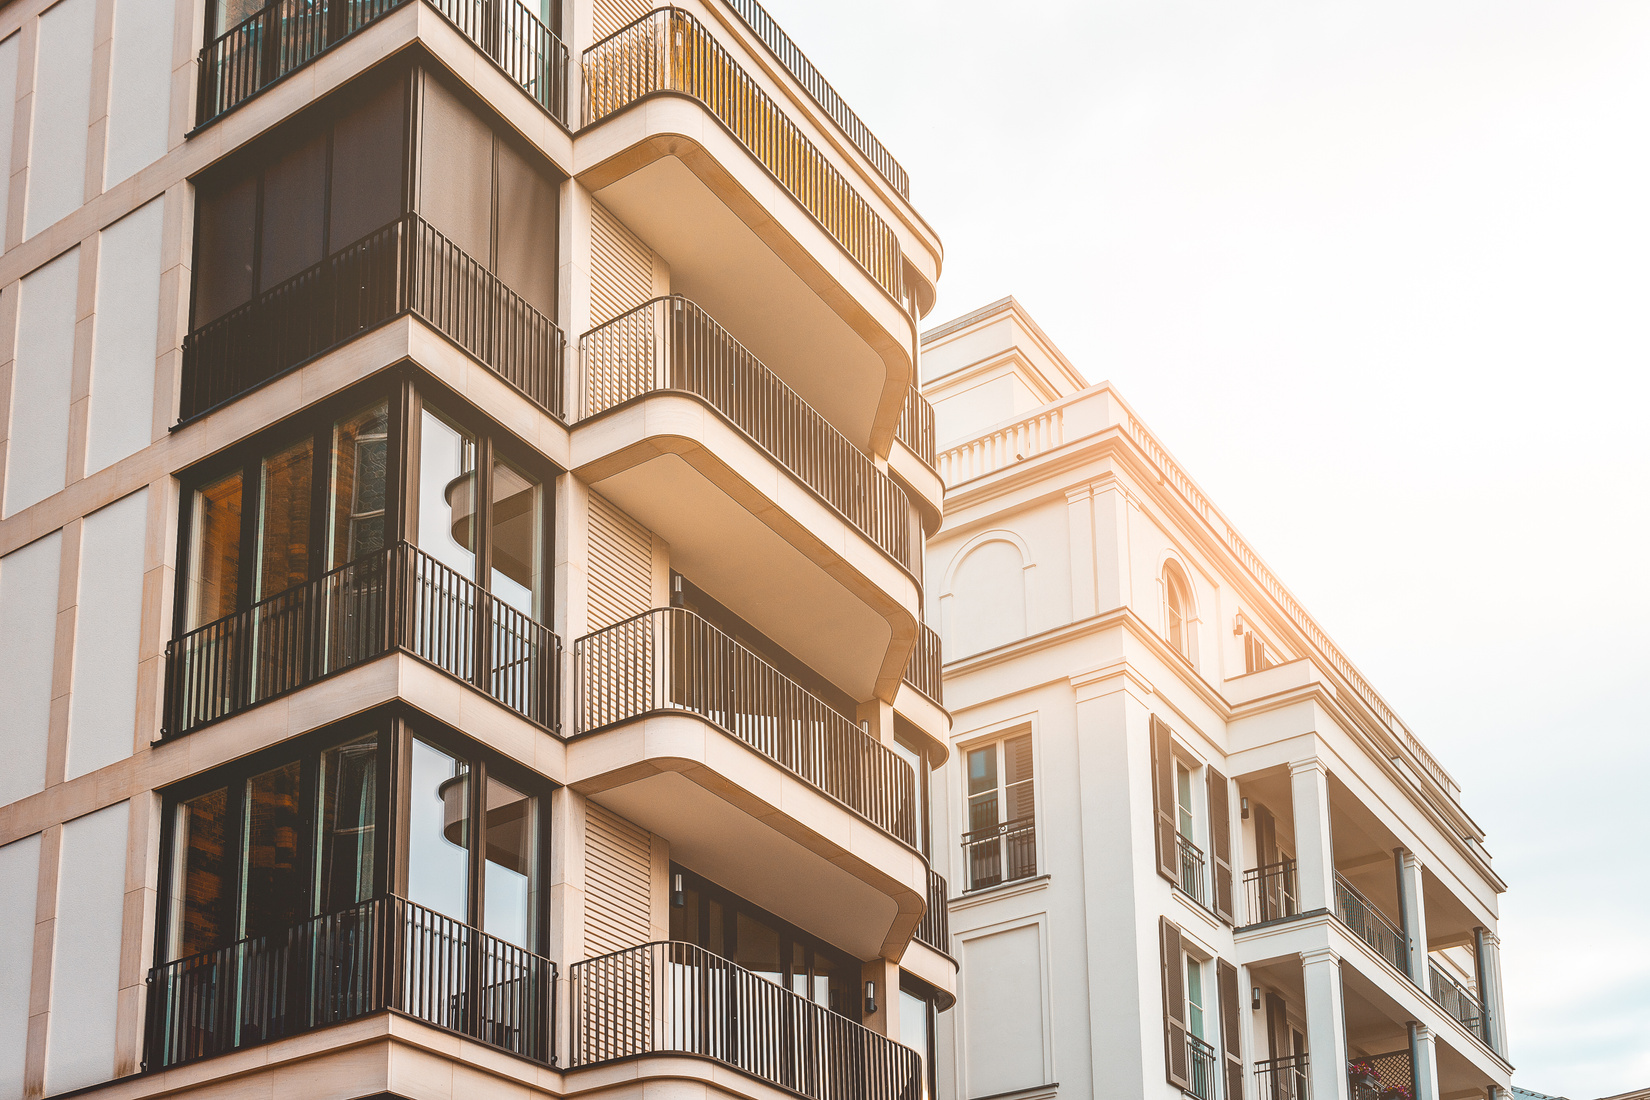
(1177, 609)
(987, 597)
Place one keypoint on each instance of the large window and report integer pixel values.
(725, 924)
(918, 1025)
(1001, 841)
(1179, 618)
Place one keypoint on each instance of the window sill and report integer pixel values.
(1001, 890)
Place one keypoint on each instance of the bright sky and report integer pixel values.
(1378, 272)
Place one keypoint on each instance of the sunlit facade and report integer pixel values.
(461, 578)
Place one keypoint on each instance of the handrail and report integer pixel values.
(1455, 999)
(671, 660)
(675, 998)
(1284, 1078)
(788, 54)
(407, 266)
(398, 598)
(1192, 862)
(916, 425)
(1000, 853)
(924, 671)
(1200, 1068)
(287, 35)
(668, 50)
(387, 953)
(671, 344)
(1369, 924)
(935, 929)
(1270, 892)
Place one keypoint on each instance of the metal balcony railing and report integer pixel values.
(1455, 999)
(286, 35)
(935, 929)
(1283, 1079)
(1001, 853)
(1192, 879)
(394, 599)
(1270, 892)
(671, 660)
(916, 426)
(669, 50)
(923, 670)
(1369, 924)
(405, 267)
(1202, 1069)
(679, 999)
(797, 64)
(383, 954)
(670, 344)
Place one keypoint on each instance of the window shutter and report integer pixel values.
(1220, 843)
(1163, 802)
(1174, 1003)
(1227, 978)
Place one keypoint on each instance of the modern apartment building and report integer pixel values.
(1193, 852)
(460, 559)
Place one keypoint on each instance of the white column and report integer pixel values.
(1314, 851)
(1415, 915)
(1490, 992)
(1425, 1050)
(1325, 1024)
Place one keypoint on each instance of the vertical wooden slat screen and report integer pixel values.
(1163, 802)
(617, 865)
(1220, 843)
(1174, 1002)
(620, 581)
(1226, 979)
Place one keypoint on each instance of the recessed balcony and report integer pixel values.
(756, 224)
(395, 600)
(387, 954)
(406, 267)
(287, 35)
(761, 498)
(673, 998)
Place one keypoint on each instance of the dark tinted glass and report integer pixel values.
(199, 887)
(294, 209)
(273, 889)
(527, 211)
(367, 160)
(226, 223)
(455, 179)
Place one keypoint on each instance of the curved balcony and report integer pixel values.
(673, 998)
(406, 267)
(669, 50)
(924, 671)
(671, 344)
(387, 954)
(398, 599)
(287, 35)
(763, 501)
(754, 780)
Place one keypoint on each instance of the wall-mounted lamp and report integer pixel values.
(1254, 997)
(678, 896)
(1245, 807)
(870, 998)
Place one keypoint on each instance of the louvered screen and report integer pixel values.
(621, 279)
(620, 566)
(616, 883)
(611, 16)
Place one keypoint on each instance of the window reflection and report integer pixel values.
(359, 472)
(346, 842)
(517, 523)
(283, 518)
(272, 892)
(438, 854)
(447, 494)
(214, 554)
(198, 875)
(510, 895)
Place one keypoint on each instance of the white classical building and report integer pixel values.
(1192, 850)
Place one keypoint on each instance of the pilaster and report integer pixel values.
(1314, 848)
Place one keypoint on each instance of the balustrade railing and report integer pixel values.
(1283, 1079)
(916, 426)
(670, 659)
(1201, 1068)
(1369, 924)
(405, 267)
(924, 670)
(797, 64)
(1193, 881)
(672, 344)
(1012, 443)
(1270, 892)
(935, 929)
(394, 599)
(1455, 999)
(1000, 853)
(679, 999)
(669, 50)
(288, 34)
(383, 954)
